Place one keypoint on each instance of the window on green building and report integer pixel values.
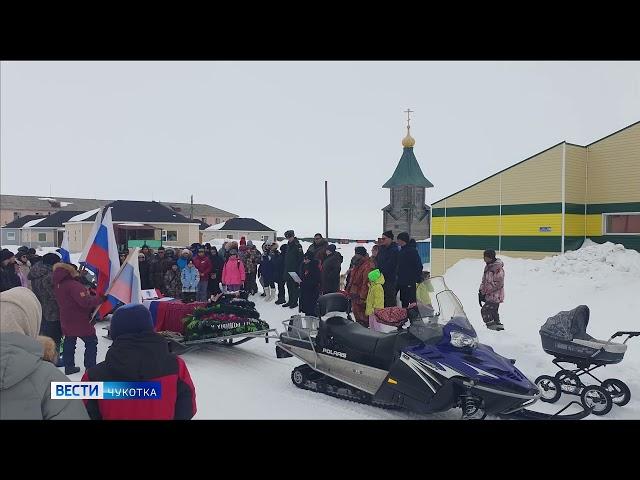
(622, 223)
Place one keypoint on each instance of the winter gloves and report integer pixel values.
(481, 298)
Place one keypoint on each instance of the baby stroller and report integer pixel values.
(565, 337)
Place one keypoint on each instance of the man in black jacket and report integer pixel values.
(158, 266)
(331, 270)
(8, 276)
(319, 247)
(292, 262)
(387, 259)
(409, 269)
(278, 270)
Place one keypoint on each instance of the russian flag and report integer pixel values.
(125, 287)
(101, 252)
(64, 248)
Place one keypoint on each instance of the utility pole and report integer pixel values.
(191, 213)
(326, 211)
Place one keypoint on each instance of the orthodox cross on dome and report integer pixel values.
(408, 111)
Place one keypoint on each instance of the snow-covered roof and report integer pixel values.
(217, 226)
(33, 222)
(85, 215)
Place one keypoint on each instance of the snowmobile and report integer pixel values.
(434, 365)
(565, 337)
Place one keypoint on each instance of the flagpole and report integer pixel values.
(135, 251)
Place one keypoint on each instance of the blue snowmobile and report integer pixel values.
(434, 365)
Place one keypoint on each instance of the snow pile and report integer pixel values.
(595, 259)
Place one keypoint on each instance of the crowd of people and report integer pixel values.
(46, 305)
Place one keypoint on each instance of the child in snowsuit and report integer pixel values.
(190, 278)
(233, 273)
(375, 298)
(492, 290)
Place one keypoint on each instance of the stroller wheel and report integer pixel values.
(569, 381)
(597, 398)
(618, 390)
(549, 388)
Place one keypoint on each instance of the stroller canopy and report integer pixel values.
(568, 325)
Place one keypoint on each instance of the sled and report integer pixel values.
(179, 346)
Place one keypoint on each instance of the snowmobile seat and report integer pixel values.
(379, 348)
(353, 335)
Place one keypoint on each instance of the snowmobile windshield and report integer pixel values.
(447, 308)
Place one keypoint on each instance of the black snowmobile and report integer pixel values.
(434, 365)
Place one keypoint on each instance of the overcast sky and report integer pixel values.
(259, 138)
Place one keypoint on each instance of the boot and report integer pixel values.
(71, 370)
(280, 301)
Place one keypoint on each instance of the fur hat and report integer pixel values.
(404, 236)
(249, 244)
(388, 234)
(187, 251)
(50, 259)
(233, 251)
(6, 255)
(490, 253)
(331, 247)
(289, 234)
(20, 312)
(361, 251)
(132, 318)
(309, 256)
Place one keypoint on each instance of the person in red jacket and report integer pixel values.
(203, 264)
(138, 354)
(76, 304)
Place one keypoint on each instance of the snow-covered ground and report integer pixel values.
(248, 381)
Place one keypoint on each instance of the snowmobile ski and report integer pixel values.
(525, 414)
